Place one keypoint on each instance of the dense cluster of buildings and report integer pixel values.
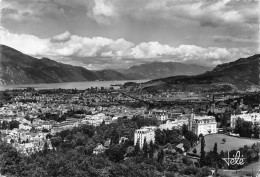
(198, 124)
(93, 107)
(30, 110)
(26, 142)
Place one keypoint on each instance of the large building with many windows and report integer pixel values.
(159, 114)
(251, 117)
(202, 124)
(177, 123)
(143, 133)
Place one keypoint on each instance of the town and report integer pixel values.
(173, 123)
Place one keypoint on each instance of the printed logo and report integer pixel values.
(236, 160)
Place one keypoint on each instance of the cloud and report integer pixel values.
(241, 39)
(206, 13)
(28, 44)
(213, 13)
(188, 53)
(62, 37)
(35, 10)
(102, 12)
(115, 53)
(65, 44)
(151, 50)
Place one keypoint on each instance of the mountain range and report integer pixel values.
(19, 68)
(240, 74)
(156, 70)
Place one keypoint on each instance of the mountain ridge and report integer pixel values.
(155, 70)
(18, 68)
(242, 73)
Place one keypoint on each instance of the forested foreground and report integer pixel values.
(73, 154)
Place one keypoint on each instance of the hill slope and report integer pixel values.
(241, 73)
(18, 68)
(157, 70)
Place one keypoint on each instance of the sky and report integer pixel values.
(115, 34)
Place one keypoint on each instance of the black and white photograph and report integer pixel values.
(129, 88)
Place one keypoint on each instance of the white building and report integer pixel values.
(251, 117)
(47, 126)
(169, 125)
(25, 126)
(96, 119)
(99, 149)
(203, 124)
(145, 133)
(161, 115)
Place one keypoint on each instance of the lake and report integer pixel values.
(70, 85)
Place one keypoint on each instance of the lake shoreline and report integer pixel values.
(69, 85)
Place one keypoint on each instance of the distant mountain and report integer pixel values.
(18, 68)
(242, 73)
(157, 70)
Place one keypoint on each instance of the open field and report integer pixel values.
(255, 166)
(230, 144)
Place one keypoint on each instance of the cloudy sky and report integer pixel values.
(99, 34)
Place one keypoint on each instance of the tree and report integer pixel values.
(164, 138)
(56, 141)
(184, 129)
(88, 130)
(186, 144)
(48, 136)
(256, 131)
(9, 159)
(116, 153)
(145, 148)
(159, 136)
(200, 135)
(215, 149)
(114, 136)
(38, 171)
(119, 170)
(151, 151)
(64, 134)
(141, 121)
(137, 148)
(191, 137)
(186, 160)
(244, 128)
(13, 124)
(222, 154)
(202, 152)
(45, 148)
(224, 140)
(189, 170)
(160, 156)
(80, 140)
